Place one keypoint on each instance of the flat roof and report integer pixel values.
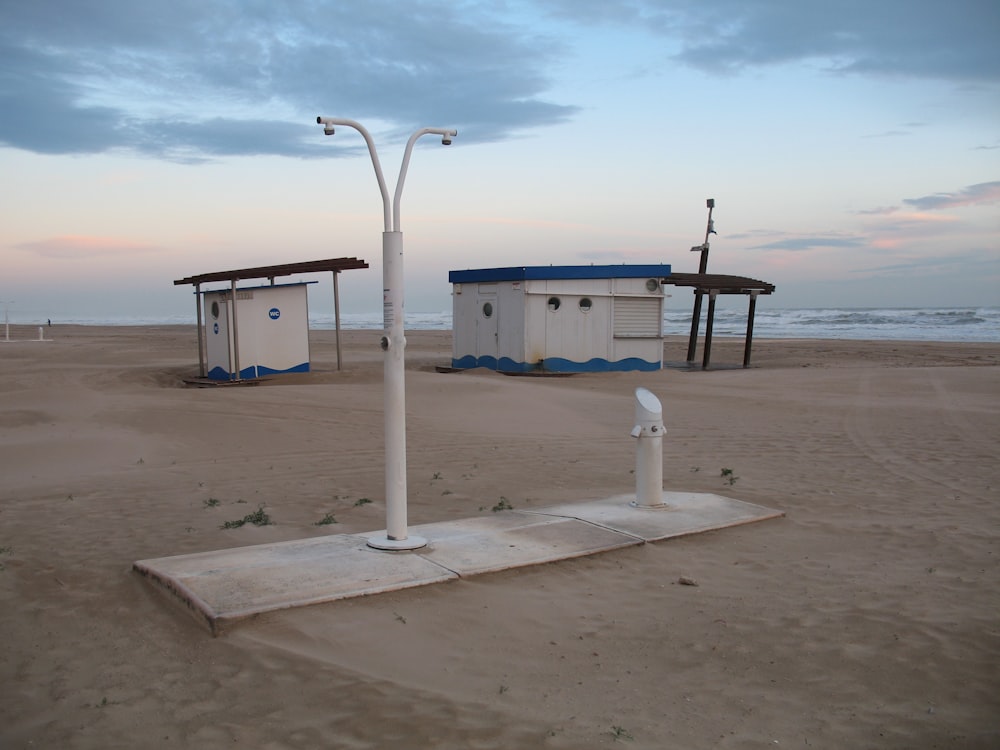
(282, 269)
(227, 290)
(524, 273)
(722, 283)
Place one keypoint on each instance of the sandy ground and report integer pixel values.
(868, 617)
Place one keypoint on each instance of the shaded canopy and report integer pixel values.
(336, 265)
(281, 269)
(721, 283)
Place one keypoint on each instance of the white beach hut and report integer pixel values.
(271, 334)
(247, 332)
(558, 318)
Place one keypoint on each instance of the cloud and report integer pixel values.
(965, 261)
(83, 247)
(880, 211)
(911, 38)
(984, 192)
(188, 80)
(191, 80)
(810, 243)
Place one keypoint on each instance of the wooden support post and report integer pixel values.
(201, 335)
(336, 313)
(234, 327)
(749, 341)
(709, 321)
(695, 322)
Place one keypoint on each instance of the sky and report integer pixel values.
(852, 148)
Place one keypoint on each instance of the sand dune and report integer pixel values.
(867, 617)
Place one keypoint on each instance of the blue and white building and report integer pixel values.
(270, 334)
(247, 332)
(559, 318)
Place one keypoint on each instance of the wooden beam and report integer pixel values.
(749, 341)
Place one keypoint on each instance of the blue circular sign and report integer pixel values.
(274, 313)
(215, 328)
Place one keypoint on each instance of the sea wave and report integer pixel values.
(899, 324)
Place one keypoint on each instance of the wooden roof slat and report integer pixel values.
(722, 283)
(281, 269)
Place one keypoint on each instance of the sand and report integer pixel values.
(867, 617)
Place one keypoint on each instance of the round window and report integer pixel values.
(585, 304)
(215, 309)
(487, 309)
(554, 303)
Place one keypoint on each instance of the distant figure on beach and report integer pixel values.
(50, 322)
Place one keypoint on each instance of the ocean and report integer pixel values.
(885, 324)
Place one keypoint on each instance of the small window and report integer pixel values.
(487, 309)
(554, 303)
(215, 308)
(585, 304)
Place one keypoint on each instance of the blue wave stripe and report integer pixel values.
(555, 364)
(249, 373)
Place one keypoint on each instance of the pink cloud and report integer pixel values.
(83, 247)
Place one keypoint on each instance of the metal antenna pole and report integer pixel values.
(702, 269)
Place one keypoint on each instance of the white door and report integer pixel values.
(486, 331)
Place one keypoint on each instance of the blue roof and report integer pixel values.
(523, 273)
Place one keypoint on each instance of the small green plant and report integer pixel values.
(362, 501)
(729, 476)
(257, 518)
(502, 505)
(212, 502)
(437, 475)
(503, 689)
(621, 733)
(400, 618)
(326, 520)
(140, 461)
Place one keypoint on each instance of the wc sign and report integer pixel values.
(274, 313)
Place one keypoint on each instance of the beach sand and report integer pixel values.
(867, 617)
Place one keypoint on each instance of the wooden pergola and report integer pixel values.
(335, 265)
(712, 285)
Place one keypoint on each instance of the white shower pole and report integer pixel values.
(393, 341)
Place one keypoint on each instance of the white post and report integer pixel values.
(393, 342)
(6, 320)
(649, 450)
(394, 346)
(40, 336)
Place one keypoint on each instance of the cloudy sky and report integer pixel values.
(852, 147)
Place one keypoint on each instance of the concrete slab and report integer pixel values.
(514, 539)
(228, 585)
(682, 513)
(224, 586)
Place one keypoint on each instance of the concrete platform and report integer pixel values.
(682, 513)
(224, 586)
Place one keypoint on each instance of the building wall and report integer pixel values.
(559, 325)
(273, 329)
